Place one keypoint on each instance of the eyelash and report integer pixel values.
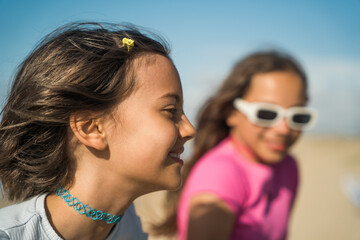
(173, 111)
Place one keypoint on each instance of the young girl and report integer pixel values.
(241, 180)
(94, 120)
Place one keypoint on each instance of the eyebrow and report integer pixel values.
(171, 95)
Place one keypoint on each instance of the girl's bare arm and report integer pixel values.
(210, 218)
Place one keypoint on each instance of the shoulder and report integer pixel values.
(222, 158)
(26, 220)
(17, 214)
(218, 172)
(129, 227)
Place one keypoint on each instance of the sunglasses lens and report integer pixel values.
(266, 115)
(301, 118)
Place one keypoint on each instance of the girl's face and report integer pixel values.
(149, 128)
(269, 144)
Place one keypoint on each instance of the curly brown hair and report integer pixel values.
(78, 67)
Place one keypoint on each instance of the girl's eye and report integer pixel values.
(173, 113)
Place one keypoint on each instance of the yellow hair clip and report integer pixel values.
(128, 42)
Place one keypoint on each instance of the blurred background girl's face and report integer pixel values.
(269, 144)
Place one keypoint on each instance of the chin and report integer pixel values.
(168, 186)
(175, 183)
(273, 158)
(179, 185)
(174, 187)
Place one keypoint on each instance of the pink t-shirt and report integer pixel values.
(260, 196)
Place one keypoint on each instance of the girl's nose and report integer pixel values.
(282, 127)
(186, 129)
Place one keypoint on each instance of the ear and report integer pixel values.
(233, 119)
(89, 131)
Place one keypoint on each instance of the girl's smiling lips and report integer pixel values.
(175, 155)
(277, 146)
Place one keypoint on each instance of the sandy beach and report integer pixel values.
(323, 210)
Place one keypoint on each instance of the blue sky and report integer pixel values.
(207, 37)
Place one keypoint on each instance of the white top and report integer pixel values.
(28, 220)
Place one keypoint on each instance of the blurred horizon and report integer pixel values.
(208, 37)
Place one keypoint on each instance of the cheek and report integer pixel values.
(294, 136)
(162, 140)
(157, 136)
(249, 134)
(255, 138)
(246, 131)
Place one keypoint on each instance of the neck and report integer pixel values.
(85, 209)
(243, 149)
(93, 188)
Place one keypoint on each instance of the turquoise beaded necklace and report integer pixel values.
(86, 209)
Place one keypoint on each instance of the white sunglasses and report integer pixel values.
(268, 115)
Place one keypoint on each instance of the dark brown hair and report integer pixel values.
(78, 67)
(211, 124)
